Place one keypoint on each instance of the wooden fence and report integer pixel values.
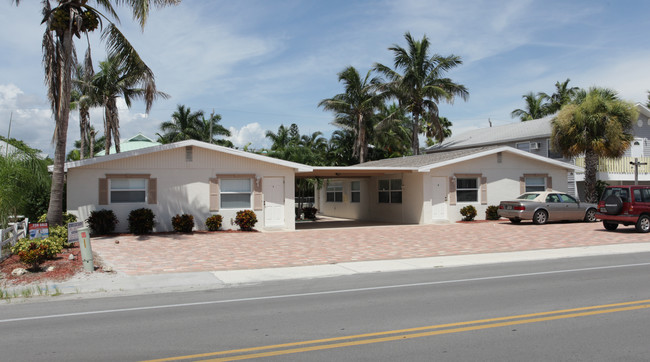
(10, 235)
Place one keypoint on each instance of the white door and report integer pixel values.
(273, 190)
(637, 148)
(439, 198)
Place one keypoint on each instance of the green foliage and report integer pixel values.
(67, 218)
(52, 246)
(492, 213)
(246, 220)
(310, 212)
(468, 212)
(33, 255)
(183, 223)
(213, 223)
(600, 187)
(102, 222)
(141, 221)
(59, 235)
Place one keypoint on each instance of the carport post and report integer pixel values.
(86, 249)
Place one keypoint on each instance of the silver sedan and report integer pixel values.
(544, 206)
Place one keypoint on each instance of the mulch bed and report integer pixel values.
(64, 268)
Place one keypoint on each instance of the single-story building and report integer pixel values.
(189, 177)
(434, 187)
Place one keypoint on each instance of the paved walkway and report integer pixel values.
(198, 252)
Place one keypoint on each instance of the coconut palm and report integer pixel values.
(598, 124)
(83, 98)
(340, 148)
(209, 128)
(421, 86)
(281, 139)
(68, 18)
(392, 133)
(563, 95)
(536, 107)
(184, 125)
(354, 109)
(129, 80)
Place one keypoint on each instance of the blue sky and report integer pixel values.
(264, 63)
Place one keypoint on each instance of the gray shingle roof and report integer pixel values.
(537, 128)
(426, 159)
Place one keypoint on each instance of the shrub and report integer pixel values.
(141, 221)
(310, 212)
(102, 222)
(213, 223)
(469, 213)
(183, 223)
(246, 219)
(33, 255)
(67, 218)
(59, 235)
(492, 213)
(52, 247)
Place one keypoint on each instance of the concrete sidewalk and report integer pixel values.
(122, 284)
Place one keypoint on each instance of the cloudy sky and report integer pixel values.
(261, 63)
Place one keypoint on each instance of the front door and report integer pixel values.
(439, 198)
(273, 189)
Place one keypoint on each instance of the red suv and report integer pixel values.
(627, 205)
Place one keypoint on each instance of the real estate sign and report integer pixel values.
(73, 236)
(39, 230)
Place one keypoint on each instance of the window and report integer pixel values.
(390, 191)
(551, 152)
(535, 184)
(124, 190)
(235, 193)
(355, 191)
(467, 189)
(567, 198)
(335, 191)
(524, 146)
(552, 198)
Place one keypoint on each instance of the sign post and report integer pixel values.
(86, 250)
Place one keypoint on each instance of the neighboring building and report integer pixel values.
(434, 187)
(134, 143)
(6, 149)
(534, 137)
(190, 177)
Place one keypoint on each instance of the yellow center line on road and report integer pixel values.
(483, 324)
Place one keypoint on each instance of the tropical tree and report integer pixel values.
(648, 103)
(421, 86)
(93, 145)
(129, 79)
(598, 124)
(392, 133)
(209, 128)
(563, 95)
(68, 18)
(340, 148)
(280, 139)
(83, 98)
(536, 107)
(184, 125)
(354, 109)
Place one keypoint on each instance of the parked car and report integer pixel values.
(544, 206)
(627, 205)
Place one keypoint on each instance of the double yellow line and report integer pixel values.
(409, 333)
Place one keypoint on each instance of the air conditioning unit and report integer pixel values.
(534, 145)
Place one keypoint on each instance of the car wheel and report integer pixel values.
(540, 217)
(613, 205)
(643, 224)
(590, 216)
(610, 226)
(515, 221)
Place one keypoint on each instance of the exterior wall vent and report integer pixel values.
(188, 154)
(499, 157)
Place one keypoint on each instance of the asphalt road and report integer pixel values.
(580, 309)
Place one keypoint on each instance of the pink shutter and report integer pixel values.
(152, 191)
(103, 192)
(484, 191)
(214, 194)
(549, 183)
(452, 191)
(258, 199)
(522, 185)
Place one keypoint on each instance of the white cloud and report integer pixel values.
(251, 133)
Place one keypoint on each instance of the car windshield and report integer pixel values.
(528, 196)
(616, 191)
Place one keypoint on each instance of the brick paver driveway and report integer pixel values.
(162, 253)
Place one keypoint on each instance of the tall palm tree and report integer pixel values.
(83, 98)
(68, 18)
(536, 107)
(314, 142)
(340, 148)
(563, 95)
(184, 125)
(421, 86)
(598, 125)
(354, 109)
(129, 80)
(392, 136)
(209, 128)
(281, 139)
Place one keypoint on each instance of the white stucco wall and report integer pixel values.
(182, 186)
(346, 208)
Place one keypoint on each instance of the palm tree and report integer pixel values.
(209, 128)
(184, 125)
(129, 80)
(392, 136)
(421, 85)
(92, 146)
(68, 18)
(563, 95)
(354, 109)
(535, 107)
(340, 148)
(83, 98)
(280, 140)
(598, 125)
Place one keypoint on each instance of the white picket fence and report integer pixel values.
(10, 235)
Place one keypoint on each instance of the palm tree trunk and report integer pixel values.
(55, 208)
(83, 130)
(363, 147)
(591, 172)
(415, 142)
(107, 129)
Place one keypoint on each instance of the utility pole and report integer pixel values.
(636, 165)
(11, 116)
